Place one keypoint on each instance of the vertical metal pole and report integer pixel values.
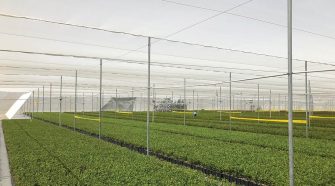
(184, 101)
(75, 101)
(172, 96)
(60, 101)
(279, 104)
(50, 96)
(43, 101)
(229, 100)
(38, 100)
(290, 96)
(32, 114)
(100, 100)
(309, 103)
(24, 107)
(258, 103)
(154, 103)
(220, 103)
(148, 104)
(83, 103)
(285, 103)
(116, 103)
(193, 101)
(306, 99)
(70, 103)
(270, 104)
(132, 99)
(241, 102)
(197, 101)
(92, 101)
(217, 100)
(141, 101)
(64, 104)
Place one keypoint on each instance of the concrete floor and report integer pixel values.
(5, 177)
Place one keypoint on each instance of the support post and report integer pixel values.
(197, 101)
(270, 104)
(310, 103)
(220, 103)
(38, 100)
(50, 96)
(172, 96)
(83, 103)
(75, 100)
(100, 100)
(70, 103)
(193, 100)
(148, 98)
(43, 100)
(230, 101)
(65, 106)
(116, 103)
(184, 101)
(60, 101)
(32, 114)
(92, 101)
(290, 94)
(154, 103)
(132, 100)
(306, 100)
(279, 103)
(258, 103)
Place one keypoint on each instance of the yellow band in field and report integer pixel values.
(270, 120)
(182, 112)
(92, 119)
(322, 117)
(125, 112)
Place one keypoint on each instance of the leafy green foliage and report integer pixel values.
(261, 157)
(320, 128)
(42, 154)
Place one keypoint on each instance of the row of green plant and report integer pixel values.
(42, 154)
(265, 164)
(320, 147)
(315, 131)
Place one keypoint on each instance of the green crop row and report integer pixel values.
(42, 154)
(262, 162)
(247, 126)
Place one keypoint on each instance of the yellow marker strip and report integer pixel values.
(125, 112)
(268, 111)
(322, 117)
(271, 120)
(182, 112)
(92, 119)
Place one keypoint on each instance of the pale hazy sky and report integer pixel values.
(159, 19)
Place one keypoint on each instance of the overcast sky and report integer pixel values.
(236, 30)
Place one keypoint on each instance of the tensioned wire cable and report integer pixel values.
(53, 69)
(209, 60)
(183, 66)
(84, 77)
(90, 57)
(193, 25)
(328, 70)
(143, 88)
(155, 53)
(243, 73)
(78, 56)
(250, 18)
(169, 40)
